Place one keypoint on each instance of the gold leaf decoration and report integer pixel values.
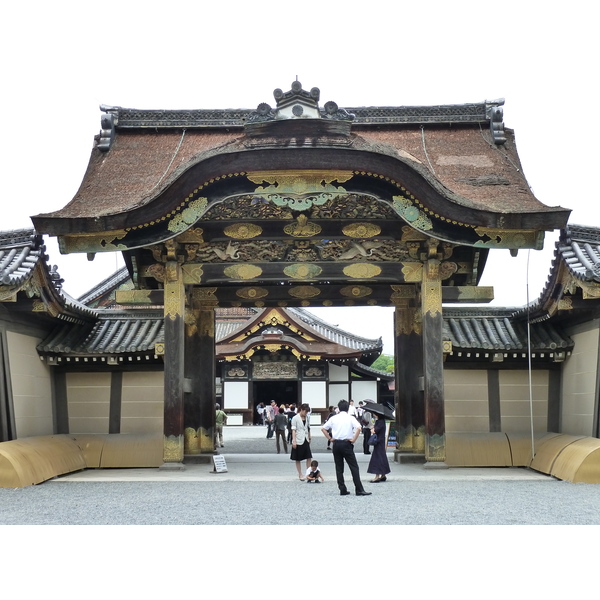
(188, 216)
(242, 271)
(302, 228)
(362, 271)
(361, 230)
(356, 291)
(302, 271)
(412, 272)
(252, 293)
(304, 291)
(242, 231)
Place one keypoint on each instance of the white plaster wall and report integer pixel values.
(88, 401)
(363, 390)
(235, 395)
(314, 393)
(515, 409)
(31, 386)
(142, 402)
(337, 392)
(579, 381)
(338, 373)
(466, 403)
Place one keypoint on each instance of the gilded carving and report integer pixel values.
(302, 271)
(304, 291)
(354, 206)
(191, 441)
(413, 272)
(432, 298)
(246, 207)
(159, 349)
(361, 230)
(275, 370)
(173, 446)
(204, 296)
(39, 306)
(192, 273)
(408, 211)
(301, 189)
(500, 238)
(362, 249)
(193, 235)
(242, 231)
(93, 243)
(435, 448)
(402, 292)
(252, 293)
(188, 216)
(236, 372)
(362, 271)
(447, 269)
(242, 271)
(174, 293)
(356, 291)
(565, 303)
(302, 228)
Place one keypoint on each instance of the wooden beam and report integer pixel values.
(467, 293)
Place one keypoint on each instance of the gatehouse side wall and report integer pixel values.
(142, 403)
(466, 401)
(31, 386)
(515, 407)
(88, 402)
(580, 381)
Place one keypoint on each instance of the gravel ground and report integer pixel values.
(244, 503)
(409, 497)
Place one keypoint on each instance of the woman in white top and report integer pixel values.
(301, 440)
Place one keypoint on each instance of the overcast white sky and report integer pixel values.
(61, 60)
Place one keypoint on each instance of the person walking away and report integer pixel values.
(291, 413)
(260, 411)
(270, 418)
(331, 413)
(301, 440)
(220, 420)
(366, 422)
(343, 430)
(379, 464)
(280, 424)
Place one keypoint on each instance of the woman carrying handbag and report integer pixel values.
(379, 464)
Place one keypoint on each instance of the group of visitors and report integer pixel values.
(278, 420)
(343, 427)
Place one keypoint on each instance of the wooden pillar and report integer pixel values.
(173, 449)
(433, 360)
(408, 366)
(200, 371)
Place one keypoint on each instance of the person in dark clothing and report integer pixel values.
(379, 464)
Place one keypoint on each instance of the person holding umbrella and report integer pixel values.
(379, 464)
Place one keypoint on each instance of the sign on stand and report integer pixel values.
(219, 464)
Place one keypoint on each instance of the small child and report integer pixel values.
(313, 475)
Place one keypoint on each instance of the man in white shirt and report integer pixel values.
(343, 430)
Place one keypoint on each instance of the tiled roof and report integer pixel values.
(494, 329)
(579, 248)
(335, 334)
(107, 285)
(114, 332)
(20, 251)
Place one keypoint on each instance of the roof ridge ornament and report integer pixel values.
(495, 113)
(298, 103)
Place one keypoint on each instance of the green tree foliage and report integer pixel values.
(384, 363)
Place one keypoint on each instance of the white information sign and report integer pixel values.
(219, 464)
